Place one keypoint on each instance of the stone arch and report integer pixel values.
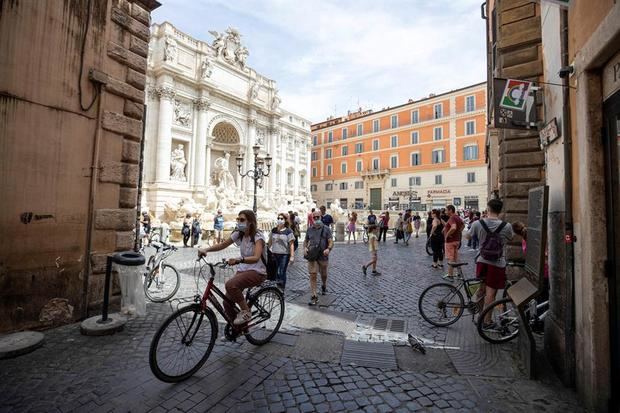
(226, 123)
(225, 132)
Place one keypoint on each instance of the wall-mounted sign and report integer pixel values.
(549, 133)
(514, 104)
(456, 201)
(405, 193)
(432, 192)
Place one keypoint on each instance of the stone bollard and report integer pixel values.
(339, 231)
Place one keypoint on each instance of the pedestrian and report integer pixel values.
(407, 226)
(251, 270)
(351, 227)
(187, 229)
(384, 222)
(475, 242)
(294, 226)
(282, 245)
(417, 220)
(317, 247)
(437, 238)
(218, 226)
(453, 231)
(327, 219)
(196, 231)
(310, 219)
(429, 224)
(145, 220)
(371, 219)
(493, 234)
(373, 244)
(398, 227)
(469, 220)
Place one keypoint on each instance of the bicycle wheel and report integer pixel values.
(267, 307)
(365, 237)
(429, 250)
(160, 286)
(441, 304)
(504, 319)
(182, 344)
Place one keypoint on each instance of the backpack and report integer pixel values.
(492, 248)
(372, 219)
(269, 261)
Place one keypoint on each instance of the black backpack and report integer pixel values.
(269, 261)
(492, 248)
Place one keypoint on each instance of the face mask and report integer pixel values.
(280, 221)
(242, 226)
(318, 222)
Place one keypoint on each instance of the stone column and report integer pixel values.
(164, 133)
(283, 150)
(273, 153)
(207, 178)
(202, 105)
(296, 181)
(249, 159)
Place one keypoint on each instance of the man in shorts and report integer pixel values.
(491, 272)
(453, 231)
(218, 226)
(317, 246)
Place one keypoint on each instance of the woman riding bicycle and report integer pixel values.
(251, 271)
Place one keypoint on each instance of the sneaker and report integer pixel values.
(364, 269)
(448, 277)
(434, 266)
(323, 290)
(376, 273)
(314, 300)
(242, 318)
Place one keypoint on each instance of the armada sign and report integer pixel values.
(405, 193)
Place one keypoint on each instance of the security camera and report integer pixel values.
(566, 71)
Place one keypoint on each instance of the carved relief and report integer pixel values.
(170, 50)
(228, 46)
(260, 137)
(253, 90)
(202, 104)
(166, 93)
(182, 114)
(177, 164)
(206, 68)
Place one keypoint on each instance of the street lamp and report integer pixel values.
(258, 173)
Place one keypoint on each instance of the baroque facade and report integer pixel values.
(423, 154)
(205, 106)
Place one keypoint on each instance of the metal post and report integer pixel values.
(255, 177)
(106, 291)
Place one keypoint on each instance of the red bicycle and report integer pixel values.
(183, 343)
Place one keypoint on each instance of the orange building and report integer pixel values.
(421, 154)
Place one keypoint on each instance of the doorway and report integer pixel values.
(612, 181)
(375, 198)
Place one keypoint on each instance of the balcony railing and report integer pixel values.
(374, 172)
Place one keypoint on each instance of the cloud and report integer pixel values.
(328, 54)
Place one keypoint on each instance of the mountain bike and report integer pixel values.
(161, 280)
(184, 341)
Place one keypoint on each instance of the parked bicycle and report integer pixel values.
(161, 280)
(505, 319)
(183, 343)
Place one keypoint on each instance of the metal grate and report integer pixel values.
(380, 324)
(379, 355)
(398, 326)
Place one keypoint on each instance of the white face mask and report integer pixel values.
(280, 221)
(242, 226)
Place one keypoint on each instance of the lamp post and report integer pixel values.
(258, 173)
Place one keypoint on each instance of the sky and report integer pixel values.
(331, 56)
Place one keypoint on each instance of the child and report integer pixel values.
(373, 242)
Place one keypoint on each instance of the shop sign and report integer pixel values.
(514, 105)
(405, 193)
(456, 201)
(432, 192)
(549, 133)
(611, 76)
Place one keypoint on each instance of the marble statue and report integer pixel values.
(225, 179)
(339, 214)
(253, 90)
(275, 101)
(228, 45)
(219, 43)
(206, 68)
(241, 55)
(177, 164)
(181, 116)
(170, 49)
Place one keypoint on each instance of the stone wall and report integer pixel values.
(68, 169)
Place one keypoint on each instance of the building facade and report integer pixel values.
(423, 154)
(205, 106)
(572, 50)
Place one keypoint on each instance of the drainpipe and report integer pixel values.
(569, 322)
(136, 245)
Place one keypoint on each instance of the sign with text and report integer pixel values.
(549, 133)
(514, 105)
(537, 234)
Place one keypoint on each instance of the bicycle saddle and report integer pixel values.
(457, 264)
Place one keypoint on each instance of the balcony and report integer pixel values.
(375, 173)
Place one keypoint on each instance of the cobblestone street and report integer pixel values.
(349, 354)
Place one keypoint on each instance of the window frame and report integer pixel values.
(474, 103)
(470, 122)
(360, 129)
(393, 182)
(376, 125)
(473, 175)
(443, 155)
(330, 136)
(419, 157)
(416, 117)
(376, 145)
(328, 153)
(343, 167)
(466, 147)
(415, 181)
(344, 151)
(345, 133)
(329, 187)
(440, 179)
(392, 157)
(417, 137)
(392, 141)
(435, 129)
(359, 145)
(359, 165)
(394, 121)
(314, 172)
(329, 169)
(378, 167)
(440, 105)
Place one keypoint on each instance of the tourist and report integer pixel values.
(293, 224)
(417, 220)
(398, 227)
(453, 231)
(373, 243)
(384, 222)
(317, 246)
(327, 219)
(437, 238)
(407, 226)
(196, 231)
(310, 219)
(187, 229)
(251, 269)
(145, 220)
(493, 234)
(218, 226)
(371, 219)
(429, 224)
(351, 226)
(282, 245)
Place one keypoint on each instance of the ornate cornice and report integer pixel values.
(253, 122)
(166, 93)
(202, 104)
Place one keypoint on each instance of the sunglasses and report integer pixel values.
(316, 216)
(241, 219)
